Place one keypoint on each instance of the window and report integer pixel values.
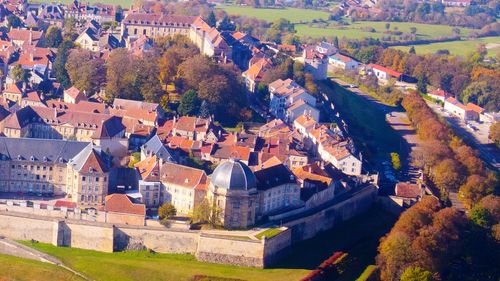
(236, 204)
(96, 179)
(83, 178)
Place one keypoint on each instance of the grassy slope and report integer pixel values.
(292, 14)
(147, 266)
(366, 122)
(13, 268)
(460, 48)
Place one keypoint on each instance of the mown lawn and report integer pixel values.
(152, 266)
(13, 268)
(294, 15)
(459, 48)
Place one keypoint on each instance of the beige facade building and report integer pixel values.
(54, 167)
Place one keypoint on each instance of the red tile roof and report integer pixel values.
(475, 108)
(408, 190)
(389, 71)
(121, 203)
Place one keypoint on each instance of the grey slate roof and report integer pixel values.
(155, 146)
(273, 176)
(234, 175)
(60, 151)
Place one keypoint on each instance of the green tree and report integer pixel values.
(13, 21)
(53, 37)
(396, 161)
(480, 216)
(206, 212)
(190, 104)
(211, 19)
(422, 84)
(416, 274)
(121, 75)
(87, 73)
(226, 24)
(19, 74)
(59, 67)
(167, 211)
(336, 42)
(412, 50)
(148, 78)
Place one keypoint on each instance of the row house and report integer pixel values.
(467, 112)
(331, 147)
(288, 100)
(98, 12)
(255, 72)
(50, 123)
(209, 40)
(156, 25)
(26, 37)
(78, 170)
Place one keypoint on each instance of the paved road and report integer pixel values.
(488, 152)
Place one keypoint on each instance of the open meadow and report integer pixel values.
(292, 14)
(459, 48)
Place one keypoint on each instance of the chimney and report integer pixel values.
(30, 40)
(55, 114)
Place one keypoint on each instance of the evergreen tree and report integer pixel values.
(226, 24)
(53, 37)
(211, 20)
(189, 104)
(204, 110)
(336, 42)
(422, 84)
(412, 50)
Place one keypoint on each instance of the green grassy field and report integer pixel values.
(149, 266)
(292, 14)
(13, 268)
(355, 30)
(460, 48)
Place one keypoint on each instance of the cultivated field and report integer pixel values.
(291, 14)
(152, 266)
(460, 48)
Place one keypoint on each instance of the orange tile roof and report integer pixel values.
(475, 108)
(312, 172)
(121, 203)
(305, 121)
(183, 176)
(389, 71)
(149, 169)
(13, 89)
(257, 70)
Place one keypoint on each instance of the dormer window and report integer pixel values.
(45, 159)
(19, 157)
(32, 158)
(61, 160)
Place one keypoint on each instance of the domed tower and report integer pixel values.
(233, 192)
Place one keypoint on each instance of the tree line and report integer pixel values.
(469, 79)
(173, 63)
(431, 243)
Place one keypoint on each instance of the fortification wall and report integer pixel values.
(87, 236)
(226, 250)
(308, 227)
(159, 240)
(22, 227)
(277, 247)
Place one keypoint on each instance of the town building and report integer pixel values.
(315, 63)
(73, 95)
(84, 11)
(339, 61)
(288, 100)
(78, 170)
(467, 112)
(233, 192)
(156, 25)
(439, 94)
(255, 72)
(384, 73)
(121, 209)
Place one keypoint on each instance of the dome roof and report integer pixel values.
(234, 175)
